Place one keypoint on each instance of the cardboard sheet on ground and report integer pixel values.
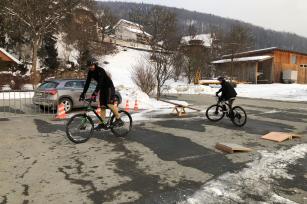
(232, 148)
(279, 136)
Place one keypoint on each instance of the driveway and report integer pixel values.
(164, 160)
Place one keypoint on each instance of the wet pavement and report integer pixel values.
(165, 160)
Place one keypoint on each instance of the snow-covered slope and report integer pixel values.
(120, 65)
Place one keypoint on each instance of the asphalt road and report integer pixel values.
(164, 160)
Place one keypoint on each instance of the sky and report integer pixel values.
(280, 15)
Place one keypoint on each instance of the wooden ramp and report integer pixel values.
(232, 148)
(279, 136)
(179, 109)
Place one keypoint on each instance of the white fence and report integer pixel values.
(20, 103)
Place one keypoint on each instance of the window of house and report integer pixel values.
(293, 59)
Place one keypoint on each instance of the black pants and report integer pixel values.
(106, 96)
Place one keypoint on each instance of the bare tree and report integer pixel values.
(143, 76)
(105, 19)
(191, 28)
(82, 32)
(237, 40)
(161, 23)
(181, 64)
(162, 65)
(38, 17)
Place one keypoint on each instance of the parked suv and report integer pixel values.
(67, 91)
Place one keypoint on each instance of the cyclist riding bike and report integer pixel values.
(228, 92)
(105, 89)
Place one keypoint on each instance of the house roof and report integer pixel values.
(263, 51)
(134, 30)
(206, 38)
(244, 59)
(10, 56)
(128, 22)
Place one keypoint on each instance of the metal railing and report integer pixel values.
(16, 103)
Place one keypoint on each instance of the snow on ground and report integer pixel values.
(16, 95)
(120, 65)
(256, 180)
(284, 92)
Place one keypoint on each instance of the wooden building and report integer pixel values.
(271, 65)
(7, 60)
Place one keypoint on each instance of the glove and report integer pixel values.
(82, 97)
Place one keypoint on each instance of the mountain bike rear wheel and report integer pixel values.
(239, 116)
(123, 130)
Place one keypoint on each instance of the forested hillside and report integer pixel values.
(206, 22)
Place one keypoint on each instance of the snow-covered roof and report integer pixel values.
(254, 51)
(206, 38)
(127, 22)
(10, 56)
(135, 28)
(244, 59)
(138, 31)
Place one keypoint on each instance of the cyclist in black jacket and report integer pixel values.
(228, 92)
(105, 89)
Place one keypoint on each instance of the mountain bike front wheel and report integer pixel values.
(79, 128)
(215, 113)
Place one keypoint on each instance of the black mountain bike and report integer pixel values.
(80, 127)
(216, 112)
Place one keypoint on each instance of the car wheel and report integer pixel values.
(68, 105)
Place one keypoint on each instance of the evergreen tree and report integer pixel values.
(49, 53)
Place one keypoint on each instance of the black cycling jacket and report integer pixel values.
(227, 91)
(100, 76)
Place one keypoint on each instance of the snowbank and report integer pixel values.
(255, 180)
(16, 95)
(283, 92)
(27, 87)
(144, 102)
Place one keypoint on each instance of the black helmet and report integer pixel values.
(91, 61)
(221, 78)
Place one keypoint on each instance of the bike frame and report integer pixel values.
(219, 102)
(89, 108)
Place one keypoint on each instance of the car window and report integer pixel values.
(74, 84)
(92, 86)
(48, 85)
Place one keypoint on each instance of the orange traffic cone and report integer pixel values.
(136, 106)
(127, 109)
(98, 110)
(61, 114)
(116, 104)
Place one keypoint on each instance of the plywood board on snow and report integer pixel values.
(279, 136)
(232, 148)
